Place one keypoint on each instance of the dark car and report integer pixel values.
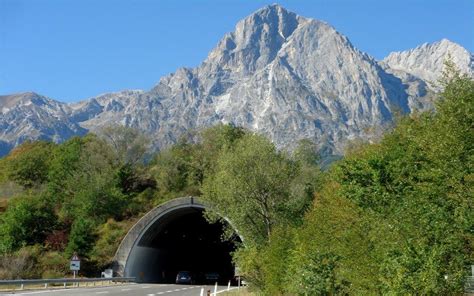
(184, 277)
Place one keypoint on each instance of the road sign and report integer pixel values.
(75, 262)
(75, 265)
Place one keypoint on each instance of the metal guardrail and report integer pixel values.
(64, 281)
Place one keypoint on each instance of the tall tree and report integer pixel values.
(28, 164)
(27, 221)
(252, 187)
(129, 145)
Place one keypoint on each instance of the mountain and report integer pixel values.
(29, 116)
(427, 61)
(279, 74)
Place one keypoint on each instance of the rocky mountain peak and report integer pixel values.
(273, 18)
(255, 41)
(10, 101)
(427, 60)
(32, 116)
(27, 100)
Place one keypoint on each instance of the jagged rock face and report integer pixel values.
(278, 74)
(255, 42)
(310, 90)
(427, 61)
(31, 116)
(107, 109)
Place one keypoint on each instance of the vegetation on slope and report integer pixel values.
(395, 217)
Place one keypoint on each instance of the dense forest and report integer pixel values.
(391, 217)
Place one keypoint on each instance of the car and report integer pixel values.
(184, 277)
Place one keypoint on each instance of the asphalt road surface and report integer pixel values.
(127, 290)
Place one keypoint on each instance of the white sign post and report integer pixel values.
(237, 274)
(75, 264)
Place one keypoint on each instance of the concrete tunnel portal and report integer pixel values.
(175, 237)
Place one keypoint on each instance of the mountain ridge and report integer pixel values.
(278, 73)
(415, 62)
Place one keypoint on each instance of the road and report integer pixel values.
(127, 290)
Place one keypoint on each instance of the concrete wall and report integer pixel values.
(143, 263)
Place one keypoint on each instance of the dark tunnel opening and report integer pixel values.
(182, 241)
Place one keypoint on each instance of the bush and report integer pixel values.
(53, 265)
(27, 221)
(275, 261)
(315, 274)
(110, 235)
(21, 264)
(81, 238)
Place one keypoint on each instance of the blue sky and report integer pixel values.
(72, 50)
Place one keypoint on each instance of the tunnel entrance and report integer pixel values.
(181, 240)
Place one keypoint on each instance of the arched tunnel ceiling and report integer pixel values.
(174, 237)
(158, 227)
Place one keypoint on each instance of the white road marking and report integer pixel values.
(126, 289)
(39, 292)
(225, 290)
(175, 290)
(104, 292)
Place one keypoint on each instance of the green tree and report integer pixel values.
(84, 179)
(110, 235)
(171, 170)
(129, 144)
(28, 164)
(252, 187)
(181, 169)
(82, 237)
(211, 142)
(306, 152)
(65, 161)
(27, 221)
(338, 248)
(274, 260)
(316, 275)
(53, 264)
(128, 148)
